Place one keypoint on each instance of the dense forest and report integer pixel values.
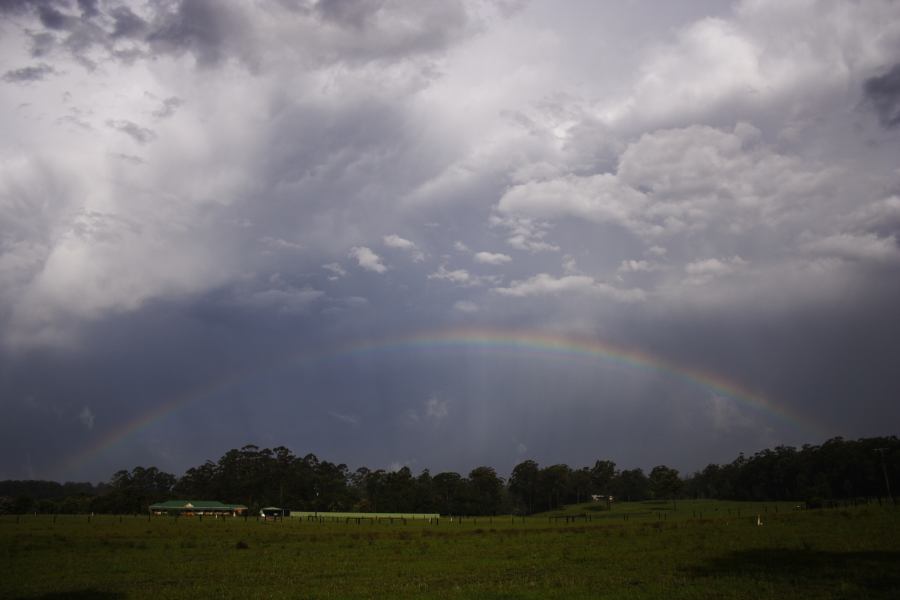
(836, 470)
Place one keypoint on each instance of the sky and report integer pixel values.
(445, 233)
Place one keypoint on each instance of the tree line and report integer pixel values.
(257, 477)
(839, 469)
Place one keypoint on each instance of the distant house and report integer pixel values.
(273, 512)
(190, 508)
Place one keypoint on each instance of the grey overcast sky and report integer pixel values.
(444, 233)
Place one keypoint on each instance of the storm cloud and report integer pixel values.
(27, 74)
(884, 94)
(224, 224)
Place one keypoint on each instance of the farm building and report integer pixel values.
(273, 512)
(190, 508)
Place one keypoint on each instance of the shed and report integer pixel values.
(189, 508)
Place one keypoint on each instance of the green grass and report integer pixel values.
(337, 516)
(834, 553)
(679, 510)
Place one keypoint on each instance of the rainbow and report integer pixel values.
(142, 421)
(554, 344)
(529, 342)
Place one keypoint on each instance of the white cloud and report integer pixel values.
(490, 258)
(570, 267)
(856, 247)
(547, 285)
(279, 139)
(712, 61)
(702, 271)
(367, 259)
(600, 198)
(677, 179)
(436, 409)
(433, 410)
(524, 233)
(678, 182)
(345, 418)
(637, 266)
(288, 300)
(881, 213)
(465, 306)
(86, 417)
(765, 54)
(355, 301)
(103, 263)
(396, 465)
(276, 243)
(727, 417)
(460, 277)
(395, 241)
(341, 306)
(337, 270)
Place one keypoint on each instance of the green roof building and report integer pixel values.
(190, 508)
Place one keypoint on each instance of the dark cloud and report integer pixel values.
(883, 93)
(42, 43)
(273, 380)
(126, 23)
(168, 108)
(326, 32)
(20, 6)
(207, 29)
(135, 160)
(79, 35)
(75, 120)
(51, 18)
(385, 30)
(89, 8)
(348, 13)
(29, 74)
(326, 176)
(141, 135)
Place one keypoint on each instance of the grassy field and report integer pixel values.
(639, 550)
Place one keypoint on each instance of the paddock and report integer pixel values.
(363, 516)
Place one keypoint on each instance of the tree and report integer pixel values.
(553, 484)
(523, 483)
(602, 474)
(449, 488)
(199, 482)
(135, 491)
(631, 485)
(426, 499)
(580, 484)
(374, 485)
(487, 491)
(664, 482)
(398, 491)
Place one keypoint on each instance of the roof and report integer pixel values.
(198, 504)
